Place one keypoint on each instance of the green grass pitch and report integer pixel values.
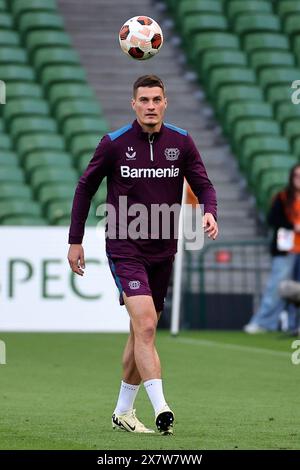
(228, 391)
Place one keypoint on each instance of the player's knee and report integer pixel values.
(147, 330)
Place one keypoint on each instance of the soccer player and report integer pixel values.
(146, 161)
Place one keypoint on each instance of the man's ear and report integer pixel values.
(166, 103)
(133, 103)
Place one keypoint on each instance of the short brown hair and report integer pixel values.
(148, 81)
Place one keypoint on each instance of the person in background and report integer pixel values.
(284, 218)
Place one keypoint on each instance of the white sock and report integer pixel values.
(126, 398)
(155, 393)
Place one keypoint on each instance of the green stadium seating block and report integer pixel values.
(257, 41)
(23, 90)
(246, 109)
(76, 108)
(288, 7)
(230, 76)
(19, 7)
(254, 23)
(62, 93)
(16, 73)
(277, 76)
(11, 191)
(46, 176)
(54, 56)
(53, 74)
(12, 55)
(200, 23)
(47, 159)
(52, 193)
(37, 40)
(9, 38)
(262, 144)
(291, 129)
(39, 142)
(5, 142)
(215, 58)
(235, 93)
(58, 210)
(286, 112)
(262, 163)
(83, 125)
(16, 207)
(83, 144)
(262, 59)
(21, 126)
(248, 127)
(269, 183)
(203, 42)
(11, 175)
(237, 7)
(25, 107)
(37, 21)
(291, 25)
(8, 159)
(5, 21)
(279, 93)
(191, 7)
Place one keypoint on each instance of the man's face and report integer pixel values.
(149, 105)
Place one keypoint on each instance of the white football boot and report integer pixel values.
(129, 422)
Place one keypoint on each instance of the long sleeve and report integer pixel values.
(98, 168)
(197, 178)
(277, 216)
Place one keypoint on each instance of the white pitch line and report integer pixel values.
(236, 347)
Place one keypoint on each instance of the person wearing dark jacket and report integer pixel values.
(284, 219)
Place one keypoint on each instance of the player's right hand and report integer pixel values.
(76, 259)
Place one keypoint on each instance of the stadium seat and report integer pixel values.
(25, 107)
(287, 112)
(278, 94)
(277, 76)
(262, 144)
(37, 21)
(21, 126)
(192, 7)
(236, 8)
(273, 41)
(291, 25)
(5, 21)
(201, 23)
(11, 175)
(247, 127)
(23, 90)
(203, 42)
(8, 159)
(5, 142)
(11, 191)
(296, 147)
(46, 176)
(61, 92)
(77, 126)
(271, 182)
(39, 142)
(216, 58)
(52, 193)
(83, 144)
(246, 109)
(54, 56)
(16, 73)
(75, 108)
(53, 74)
(16, 207)
(256, 23)
(291, 129)
(12, 55)
(37, 40)
(288, 8)
(263, 59)
(261, 165)
(19, 7)
(235, 93)
(2, 5)
(9, 38)
(229, 76)
(53, 159)
(58, 210)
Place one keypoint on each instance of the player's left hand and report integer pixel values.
(210, 226)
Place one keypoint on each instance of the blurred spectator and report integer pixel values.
(284, 218)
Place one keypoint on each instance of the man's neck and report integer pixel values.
(150, 129)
